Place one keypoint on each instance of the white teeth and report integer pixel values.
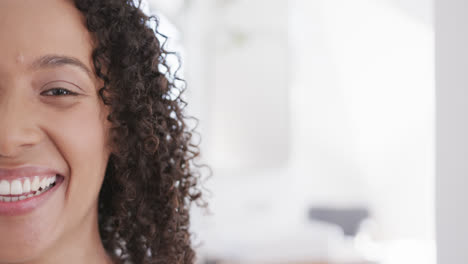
(35, 184)
(44, 183)
(16, 187)
(4, 187)
(26, 186)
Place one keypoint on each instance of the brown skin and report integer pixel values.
(65, 132)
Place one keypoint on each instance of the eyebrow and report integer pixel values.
(50, 61)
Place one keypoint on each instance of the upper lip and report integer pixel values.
(27, 171)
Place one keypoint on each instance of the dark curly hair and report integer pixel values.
(151, 177)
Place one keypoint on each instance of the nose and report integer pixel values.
(18, 131)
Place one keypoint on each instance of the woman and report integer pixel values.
(96, 164)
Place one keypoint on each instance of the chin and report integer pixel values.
(30, 228)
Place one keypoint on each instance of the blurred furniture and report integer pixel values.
(349, 219)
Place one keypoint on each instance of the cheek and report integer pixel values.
(80, 134)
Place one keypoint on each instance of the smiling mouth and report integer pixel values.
(18, 190)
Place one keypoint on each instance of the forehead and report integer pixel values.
(31, 28)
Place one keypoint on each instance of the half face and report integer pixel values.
(53, 129)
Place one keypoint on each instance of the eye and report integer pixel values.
(58, 92)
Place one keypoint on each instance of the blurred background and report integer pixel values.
(317, 118)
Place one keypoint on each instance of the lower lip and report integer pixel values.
(27, 205)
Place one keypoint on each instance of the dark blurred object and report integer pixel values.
(348, 219)
(212, 261)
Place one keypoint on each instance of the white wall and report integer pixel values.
(363, 91)
(302, 103)
(452, 130)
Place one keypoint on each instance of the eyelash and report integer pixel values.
(61, 89)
